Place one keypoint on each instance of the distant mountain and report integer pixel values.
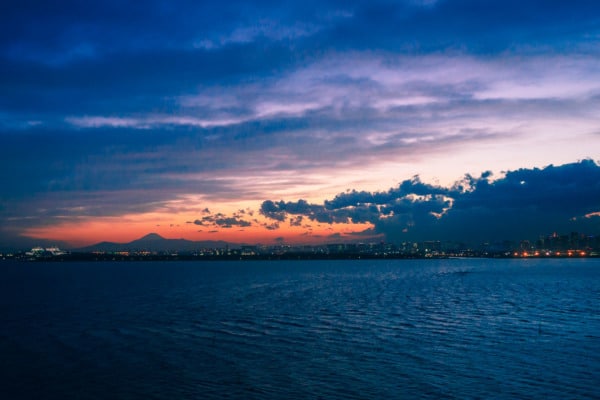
(155, 242)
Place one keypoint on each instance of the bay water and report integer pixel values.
(408, 329)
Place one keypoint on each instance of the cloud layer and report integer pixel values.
(526, 203)
(116, 109)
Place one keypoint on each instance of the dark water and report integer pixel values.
(320, 329)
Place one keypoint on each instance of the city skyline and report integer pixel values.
(298, 122)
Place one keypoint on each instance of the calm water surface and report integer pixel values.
(319, 329)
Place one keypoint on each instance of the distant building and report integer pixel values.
(45, 252)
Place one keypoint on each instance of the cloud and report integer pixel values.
(378, 108)
(524, 203)
(272, 210)
(279, 211)
(271, 227)
(229, 222)
(297, 221)
(486, 28)
(222, 221)
(433, 24)
(105, 115)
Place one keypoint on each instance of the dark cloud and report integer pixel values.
(116, 83)
(296, 221)
(411, 197)
(271, 227)
(222, 221)
(65, 31)
(528, 203)
(35, 27)
(272, 210)
(368, 233)
(524, 203)
(483, 27)
(81, 60)
(279, 210)
(229, 222)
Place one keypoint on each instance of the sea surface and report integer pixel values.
(361, 329)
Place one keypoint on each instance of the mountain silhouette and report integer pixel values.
(152, 236)
(155, 242)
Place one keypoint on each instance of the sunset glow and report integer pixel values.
(251, 124)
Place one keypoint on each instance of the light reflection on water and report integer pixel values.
(348, 329)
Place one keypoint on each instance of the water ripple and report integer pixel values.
(338, 329)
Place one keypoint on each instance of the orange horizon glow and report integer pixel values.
(88, 231)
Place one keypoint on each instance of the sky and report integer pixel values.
(298, 122)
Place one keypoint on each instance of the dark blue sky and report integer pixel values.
(122, 118)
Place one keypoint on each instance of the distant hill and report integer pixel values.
(155, 242)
